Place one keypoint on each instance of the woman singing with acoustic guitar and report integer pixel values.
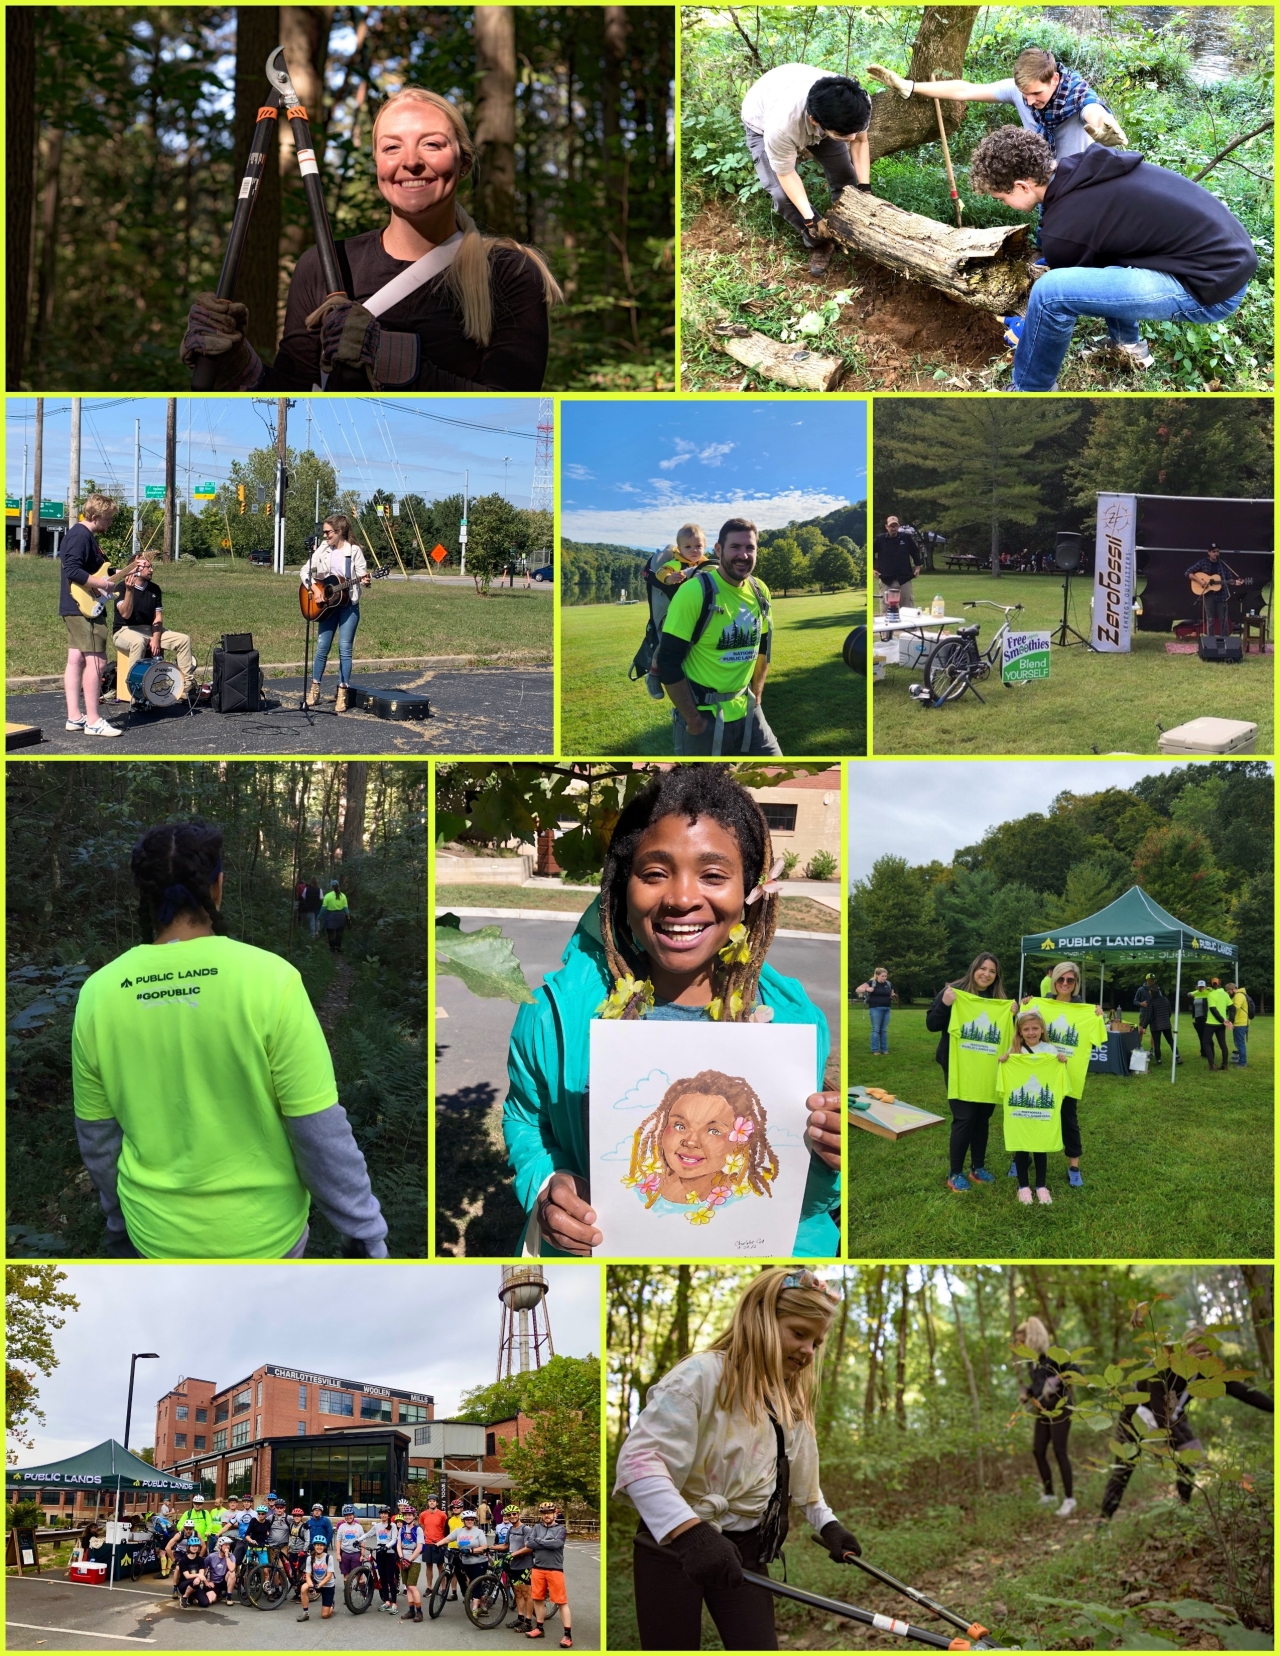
(332, 576)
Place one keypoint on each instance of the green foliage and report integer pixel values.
(822, 866)
(33, 1307)
(484, 959)
(834, 567)
(1174, 446)
(783, 566)
(1177, 869)
(495, 533)
(591, 574)
(893, 923)
(558, 1457)
(562, 1383)
(23, 1514)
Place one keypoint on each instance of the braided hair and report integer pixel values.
(760, 1164)
(692, 791)
(174, 869)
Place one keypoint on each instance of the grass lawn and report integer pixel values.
(814, 704)
(1171, 1172)
(795, 913)
(1090, 703)
(217, 595)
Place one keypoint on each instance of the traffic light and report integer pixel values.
(240, 497)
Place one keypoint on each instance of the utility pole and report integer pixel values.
(462, 532)
(282, 415)
(309, 426)
(137, 486)
(22, 505)
(37, 482)
(73, 485)
(170, 477)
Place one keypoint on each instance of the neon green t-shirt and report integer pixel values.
(724, 658)
(1046, 985)
(199, 1050)
(334, 900)
(1073, 1028)
(980, 1029)
(1219, 1002)
(1033, 1086)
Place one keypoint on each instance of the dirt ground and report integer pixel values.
(902, 332)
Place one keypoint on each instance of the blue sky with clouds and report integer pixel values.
(632, 473)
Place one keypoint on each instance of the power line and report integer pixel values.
(443, 419)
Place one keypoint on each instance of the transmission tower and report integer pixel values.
(542, 498)
(526, 1328)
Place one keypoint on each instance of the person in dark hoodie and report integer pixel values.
(1123, 239)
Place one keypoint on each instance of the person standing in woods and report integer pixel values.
(795, 111)
(335, 915)
(310, 903)
(1047, 1396)
(469, 312)
(215, 1146)
(725, 1442)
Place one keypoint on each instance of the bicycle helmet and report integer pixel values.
(193, 1545)
(321, 1543)
(402, 1503)
(468, 1514)
(316, 1507)
(297, 1513)
(348, 1511)
(261, 1507)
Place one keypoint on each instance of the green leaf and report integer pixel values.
(35, 1014)
(1190, 1609)
(810, 323)
(1113, 1374)
(1060, 1354)
(485, 960)
(1145, 1641)
(1207, 1388)
(448, 826)
(1245, 1638)
(1134, 1397)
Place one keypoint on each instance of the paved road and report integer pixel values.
(472, 1041)
(51, 1613)
(508, 710)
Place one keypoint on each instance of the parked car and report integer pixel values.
(262, 560)
(546, 573)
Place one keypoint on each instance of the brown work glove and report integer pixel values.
(888, 77)
(1102, 126)
(216, 328)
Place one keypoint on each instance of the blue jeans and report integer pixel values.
(344, 620)
(1123, 295)
(880, 1028)
(1240, 1036)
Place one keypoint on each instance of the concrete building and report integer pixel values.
(803, 814)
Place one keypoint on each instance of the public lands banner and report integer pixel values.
(1113, 566)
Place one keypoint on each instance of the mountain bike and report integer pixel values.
(360, 1587)
(953, 664)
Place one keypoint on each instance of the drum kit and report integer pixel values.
(155, 684)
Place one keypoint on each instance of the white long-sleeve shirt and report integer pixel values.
(345, 560)
(686, 1457)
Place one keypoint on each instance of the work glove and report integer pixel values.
(816, 229)
(352, 337)
(1103, 127)
(215, 328)
(895, 82)
(838, 1541)
(709, 1561)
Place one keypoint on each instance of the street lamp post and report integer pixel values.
(137, 1356)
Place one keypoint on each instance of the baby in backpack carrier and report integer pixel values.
(664, 573)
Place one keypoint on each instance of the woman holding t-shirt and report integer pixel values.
(1064, 984)
(205, 1100)
(970, 1121)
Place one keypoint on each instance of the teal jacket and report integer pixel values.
(545, 1115)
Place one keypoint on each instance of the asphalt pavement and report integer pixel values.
(484, 710)
(48, 1612)
(471, 1042)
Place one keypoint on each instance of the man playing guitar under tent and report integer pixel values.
(86, 584)
(139, 626)
(340, 568)
(1213, 580)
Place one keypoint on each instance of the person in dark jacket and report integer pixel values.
(1157, 1016)
(85, 567)
(970, 1122)
(1165, 1412)
(1123, 239)
(1047, 1396)
(880, 996)
(310, 903)
(896, 560)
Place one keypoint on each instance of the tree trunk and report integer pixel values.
(357, 782)
(929, 1334)
(1258, 1280)
(875, 1299)
(257, 35)
(614, 53)
(900, 1374)
(987, 269)
(938, 54)
(789, 365)
(46, 279)
(494, 32)
(982, 1329)
(962, 1347)
(836, 1361)
(20, 137)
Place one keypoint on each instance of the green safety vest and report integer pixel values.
(1074, 1029)
(204, 1523)
(980, 1030)
(1033, 1086)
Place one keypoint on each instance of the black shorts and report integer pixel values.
(433, 1555)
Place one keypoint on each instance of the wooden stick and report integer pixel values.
(946, 156)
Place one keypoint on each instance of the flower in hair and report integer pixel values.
(769, 887)
(719, 1193)
(733, 1165)
(741, 1130)
(626, 990)
(650, 1184)
(737, 951)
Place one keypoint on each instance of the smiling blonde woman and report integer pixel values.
(474, 318)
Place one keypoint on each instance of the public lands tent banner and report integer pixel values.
(1134, 927)
(108, 1466)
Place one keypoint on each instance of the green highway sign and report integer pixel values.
(155, 491)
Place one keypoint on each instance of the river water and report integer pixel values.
(1206, 28)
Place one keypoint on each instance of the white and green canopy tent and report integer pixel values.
(1134, 928)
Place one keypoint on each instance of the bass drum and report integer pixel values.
(155, 683)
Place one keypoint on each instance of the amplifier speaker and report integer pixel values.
(237, 682)
(1220, 649)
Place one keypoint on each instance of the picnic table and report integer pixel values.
(965, 561)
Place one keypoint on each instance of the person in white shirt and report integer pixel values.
(702, 1467)
(339, 565)
(794, 111)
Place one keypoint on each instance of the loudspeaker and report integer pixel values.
(237, 643)
(1066, 552)
(1213, 648)
(237, 682)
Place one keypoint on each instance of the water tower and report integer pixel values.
(526, 1327)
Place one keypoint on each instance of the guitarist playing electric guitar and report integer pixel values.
(1213, 580)
(331, 580)
(85, 568)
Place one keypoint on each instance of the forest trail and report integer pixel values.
(333, 1008)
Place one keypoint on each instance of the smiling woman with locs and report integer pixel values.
(680, 933)
(477, 322)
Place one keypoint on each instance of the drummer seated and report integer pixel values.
(139, 626)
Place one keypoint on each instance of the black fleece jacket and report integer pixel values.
(1109, 207)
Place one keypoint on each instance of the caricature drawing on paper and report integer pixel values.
(704, 1146)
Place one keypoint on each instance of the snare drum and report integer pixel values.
(155, 683)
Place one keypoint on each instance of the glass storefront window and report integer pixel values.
(240, 1477)
(209, 1480)
(334, 1474)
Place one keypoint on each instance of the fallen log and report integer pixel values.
(790, 365)
(987, 269)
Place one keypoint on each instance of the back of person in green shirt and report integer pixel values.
(205, 1099)
(335, 915)
(714, 667)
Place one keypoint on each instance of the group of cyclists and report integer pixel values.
(210, 1549)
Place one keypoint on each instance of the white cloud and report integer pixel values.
(715, 452)
(580, 474)
(685, 451)
(652, 523)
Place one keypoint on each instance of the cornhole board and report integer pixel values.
(891, 1121)
(20, 736)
